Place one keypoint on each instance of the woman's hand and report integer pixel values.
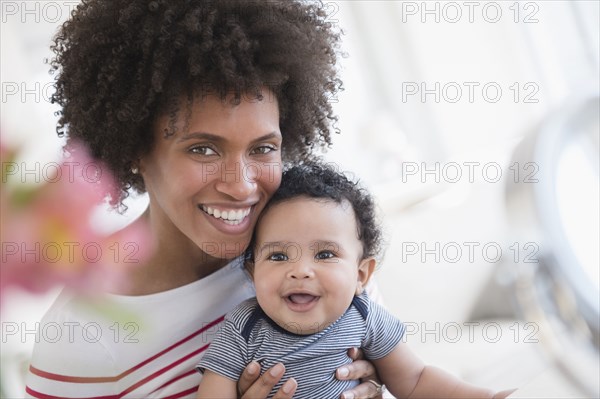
(253, 385)
(363, 370)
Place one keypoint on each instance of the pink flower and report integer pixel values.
(47, 238)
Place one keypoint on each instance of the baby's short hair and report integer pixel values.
(323, 181)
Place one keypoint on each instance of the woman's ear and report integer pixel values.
(365, 270)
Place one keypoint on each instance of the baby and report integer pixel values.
(312, 254)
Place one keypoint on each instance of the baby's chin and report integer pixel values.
(303, 328)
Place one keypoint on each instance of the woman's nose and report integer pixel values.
(237, 180)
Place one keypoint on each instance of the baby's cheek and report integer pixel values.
(264, 291)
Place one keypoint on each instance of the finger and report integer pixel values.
(356, 354)
(288, 390)
(249, 375)
(362, 391)
(263, 385)
(357, 370)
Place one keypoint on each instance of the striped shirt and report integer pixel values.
(137, 346)
(248, 334)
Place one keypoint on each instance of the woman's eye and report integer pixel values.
(325, 255)
(203, 150)
(264, 149)
(277, 257)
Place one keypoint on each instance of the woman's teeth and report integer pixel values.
(231, 217)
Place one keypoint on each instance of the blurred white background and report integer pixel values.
(437, 96)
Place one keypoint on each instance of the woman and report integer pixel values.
(197, 103)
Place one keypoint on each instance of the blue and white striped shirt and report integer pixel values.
(248, 334)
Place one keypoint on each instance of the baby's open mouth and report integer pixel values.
(302, 299)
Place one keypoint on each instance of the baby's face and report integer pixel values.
(307, 258)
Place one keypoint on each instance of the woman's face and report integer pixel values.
(210, 180)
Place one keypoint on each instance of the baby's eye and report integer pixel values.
(264, 149)
(324, 255)
(202, 150)
(277, 257)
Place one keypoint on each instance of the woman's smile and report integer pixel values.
(231, 216)
(229, 220)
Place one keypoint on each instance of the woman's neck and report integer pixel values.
(176, 261)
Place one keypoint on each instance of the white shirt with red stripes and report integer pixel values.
(133, 346)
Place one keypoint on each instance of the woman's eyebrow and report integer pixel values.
(217, 138)
(268, 136)
(201, 136)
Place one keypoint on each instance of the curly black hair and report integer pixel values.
(123, 63)
(319, 180)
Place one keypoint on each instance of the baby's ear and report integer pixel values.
(365, 270)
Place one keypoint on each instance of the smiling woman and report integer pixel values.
(197, 104)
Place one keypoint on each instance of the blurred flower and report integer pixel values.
(47, 237)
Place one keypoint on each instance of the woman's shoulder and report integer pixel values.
(75, 323)
(68, 307)
(70, 345)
